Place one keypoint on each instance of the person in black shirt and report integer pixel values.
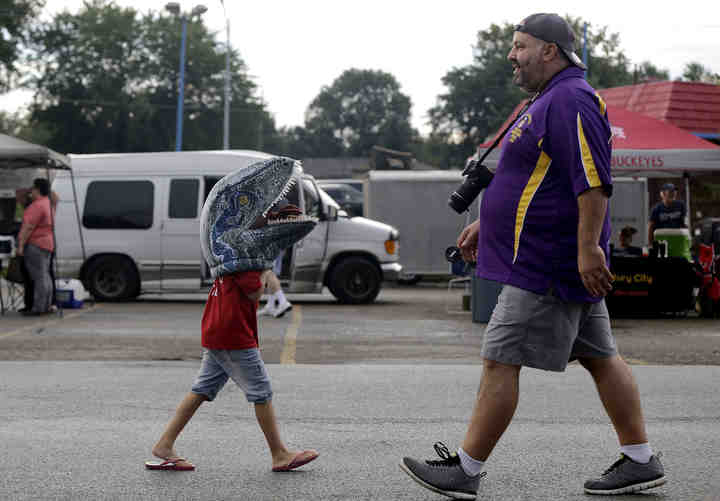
(669, 213)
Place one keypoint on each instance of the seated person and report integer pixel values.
(625, 248)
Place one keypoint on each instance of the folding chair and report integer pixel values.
(463, 277)
(12, 294)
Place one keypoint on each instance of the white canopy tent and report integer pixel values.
(20, 163)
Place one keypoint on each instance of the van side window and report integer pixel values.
(183, 198)
(119, 205)
(312, 199)
(209, 183)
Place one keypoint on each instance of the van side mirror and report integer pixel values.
(332, 213)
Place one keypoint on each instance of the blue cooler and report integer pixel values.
(65, 298)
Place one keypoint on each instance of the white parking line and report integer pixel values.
(290, 343)
(47, 323)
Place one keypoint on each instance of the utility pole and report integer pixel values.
(226, 117)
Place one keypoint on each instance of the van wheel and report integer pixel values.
(355, 280)
(113, 278)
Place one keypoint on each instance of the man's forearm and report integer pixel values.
(592, 207)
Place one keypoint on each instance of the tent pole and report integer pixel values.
(77, 215)
(53, 254)
(79, 222)
(688, 218)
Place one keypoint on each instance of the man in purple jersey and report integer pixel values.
(543, 232)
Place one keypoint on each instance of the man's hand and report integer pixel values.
(594, 271)
(468, 240)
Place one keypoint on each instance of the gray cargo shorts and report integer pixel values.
(543, 332)
(245, 367)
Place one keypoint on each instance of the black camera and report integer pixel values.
(453, 254)
(477, 177)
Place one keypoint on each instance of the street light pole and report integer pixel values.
(174, 8)
(226, 117)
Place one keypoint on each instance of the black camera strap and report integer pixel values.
(505, 131)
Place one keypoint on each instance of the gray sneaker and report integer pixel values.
(625, 476)
(445, 477)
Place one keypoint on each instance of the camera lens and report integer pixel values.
(457, 202)
(478, 177)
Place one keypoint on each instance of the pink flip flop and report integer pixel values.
(170, 464)
(302, 458)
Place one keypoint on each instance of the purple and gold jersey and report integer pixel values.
(559, 148)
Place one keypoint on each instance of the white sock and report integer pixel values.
(472, 467)
(280, 296)
(640, 453)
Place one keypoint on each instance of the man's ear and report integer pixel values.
(550, 51)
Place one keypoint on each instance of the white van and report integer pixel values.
(140, 224)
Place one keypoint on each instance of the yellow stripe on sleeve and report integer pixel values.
(541, 168)
(586, 156)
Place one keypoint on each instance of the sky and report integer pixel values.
(293, 48)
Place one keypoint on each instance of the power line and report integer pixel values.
(115, 104)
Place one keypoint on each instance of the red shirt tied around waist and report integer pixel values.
(229, 321)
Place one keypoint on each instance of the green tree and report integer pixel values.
(15, 17)
(106, 81)
(299, 142)
(360, 109)
(696, 72)
(481, 96)
(647, 72)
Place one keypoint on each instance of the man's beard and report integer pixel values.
(522, 79)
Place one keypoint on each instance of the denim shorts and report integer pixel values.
(245, 367)
(543, 332)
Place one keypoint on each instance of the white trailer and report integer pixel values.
(415, 202)
(629, 207)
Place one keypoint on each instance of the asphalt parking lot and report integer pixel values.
(421, 324)
(86, 395)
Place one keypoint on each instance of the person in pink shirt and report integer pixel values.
(36, 244)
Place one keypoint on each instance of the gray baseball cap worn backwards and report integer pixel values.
(552, 28)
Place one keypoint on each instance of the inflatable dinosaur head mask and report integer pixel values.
(233, 232)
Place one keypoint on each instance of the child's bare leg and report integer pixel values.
(281, 455)
(165, 447)
(265, 414)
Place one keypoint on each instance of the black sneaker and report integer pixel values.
(625, 476)
(445, 477)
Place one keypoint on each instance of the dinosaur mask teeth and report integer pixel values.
(292, 219)
(283, 193)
